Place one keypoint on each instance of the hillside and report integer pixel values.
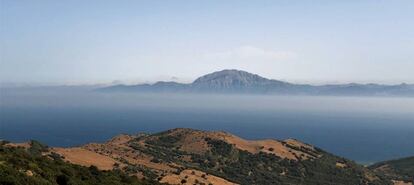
(34, 164)
(400, 169)
(186, 156)
(242, 82)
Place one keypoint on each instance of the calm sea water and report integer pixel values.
(360, 128)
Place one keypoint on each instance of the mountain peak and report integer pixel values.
(231, 80)
(230, 76)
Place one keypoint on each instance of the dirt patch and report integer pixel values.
(190, 177)
(296, 143)
(121, 139)
(402, 183)
(23, 145)
(340, 165)
(85, 157)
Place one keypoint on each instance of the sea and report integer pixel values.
(364, 129)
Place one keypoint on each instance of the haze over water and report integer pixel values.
(360, 128)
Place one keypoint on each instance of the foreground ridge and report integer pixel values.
(188, 156)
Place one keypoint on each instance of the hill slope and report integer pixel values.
(400, 169)
(25, 165)
(186, 156)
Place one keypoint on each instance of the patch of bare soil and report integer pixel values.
(402, 183)
(340, 165)
(85, 157)
(24, 145)
(190, 177)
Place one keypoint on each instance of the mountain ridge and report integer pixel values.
(188, 156)
(241, 82)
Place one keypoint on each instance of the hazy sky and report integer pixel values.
(82, 42)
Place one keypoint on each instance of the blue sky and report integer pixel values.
(86, 42)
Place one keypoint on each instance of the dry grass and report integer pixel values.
(268, 146)
(24, 145)
(402, 183)
(193, 141)
(105, 155)
(118, 148)
(190, 177)
(85, 157)
(340, 165)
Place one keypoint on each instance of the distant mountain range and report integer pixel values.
(242, 82)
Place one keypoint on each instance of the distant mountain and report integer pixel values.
(242, 82)
(235, 81)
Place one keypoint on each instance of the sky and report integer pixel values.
(98, 41)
